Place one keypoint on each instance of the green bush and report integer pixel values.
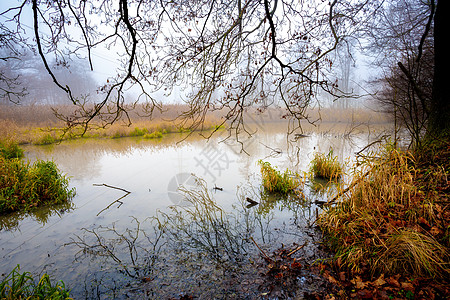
(276, 182)
(154, 135)
(46, 139)
(138, 132)
(18, 285)
(10, 150)
(24, 186)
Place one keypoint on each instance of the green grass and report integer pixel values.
(46, 139)
(24, 186)
(154, 135)
(326, 166)
(276, 182)
(17, 285)
(10, 150)
(138, 131)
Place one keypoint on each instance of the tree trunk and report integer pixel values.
(439, 122)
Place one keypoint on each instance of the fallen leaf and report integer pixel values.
(339, 262)
(146, 279)
(365, 294)
(380, 281)
(359, 284)
(407, 286)
(435, 231)
(422, 221)
(332, 279)
(392, 281)
(279, 275)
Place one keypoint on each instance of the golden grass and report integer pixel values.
(276, 182)
(37, 124)
(415, 252)
(376, 222)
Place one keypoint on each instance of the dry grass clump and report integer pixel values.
(415, 252)
(385, 223)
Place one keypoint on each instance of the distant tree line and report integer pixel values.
(24, 80)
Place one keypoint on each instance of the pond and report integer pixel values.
(131, 232)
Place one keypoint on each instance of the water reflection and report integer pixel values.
(41, 215)
(200, 248)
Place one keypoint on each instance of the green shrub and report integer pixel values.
(18, 285)
(46, 139)
(10, 150)
(154, 135)
(138, 132)
(24, 186)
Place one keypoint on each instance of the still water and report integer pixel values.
(130, 233)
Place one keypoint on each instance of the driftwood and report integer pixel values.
(251, 201)
(116, 201)
(217, 188)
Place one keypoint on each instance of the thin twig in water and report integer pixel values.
(112, 187)
(263, 253)
(116, 201)
(296, 249)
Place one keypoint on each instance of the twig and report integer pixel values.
(296, 249)
(263, 253)
(118, 200)
(251, 201)
(217, 188)
(112, 187)
(274, 151)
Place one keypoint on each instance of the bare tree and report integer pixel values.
(405, 41)
(10, 84)
(247, 51)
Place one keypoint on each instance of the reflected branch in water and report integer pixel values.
(204, 226)
(133, 250)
